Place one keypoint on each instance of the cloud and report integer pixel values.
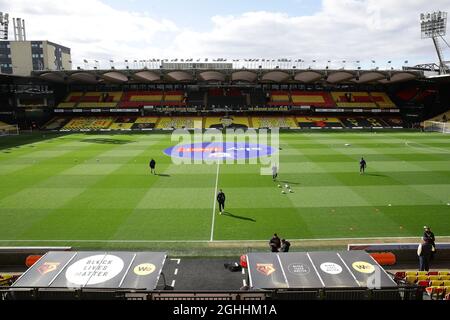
(90, 28)
(348, 30)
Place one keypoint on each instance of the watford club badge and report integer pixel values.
(265, 268)
(47, 267)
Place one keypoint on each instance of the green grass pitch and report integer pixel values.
(53, 188)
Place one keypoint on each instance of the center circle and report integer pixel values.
(220, 150)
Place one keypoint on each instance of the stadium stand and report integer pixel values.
(443, 117)
(74, 97)
(227, 122)
(273, 122)
(382, 100)
(56, 123)
(315, 99)
(141, 98)
(143, 123)
(196, 98)
(123, 123)
(179, 123)
(174, 98)
(353, 100)
(88, 123)
(71, 100)
(280, 98)
(226, 97)
(319, 122)
(242, 122)
(7, 279)
(91, 100)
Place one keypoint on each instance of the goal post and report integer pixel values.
(436, 126)
(8, 129)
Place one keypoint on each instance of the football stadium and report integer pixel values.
(350, 167)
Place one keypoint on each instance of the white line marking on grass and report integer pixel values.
(424, 146)
(176, 271)
(177, 260)
(214, 202)
(173, 284)
(203, 241)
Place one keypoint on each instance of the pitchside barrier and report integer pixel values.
(405, 252)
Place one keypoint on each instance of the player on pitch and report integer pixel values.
(362, 165)
(221, 200)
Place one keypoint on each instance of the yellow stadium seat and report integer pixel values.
(445, 277)
(444, 273)
(422, 273)
(97, 105)
(434, 278)
(422, 277)
(66, 105)
(411, 279)
(411, 273)
(446, 283)
(436, 283)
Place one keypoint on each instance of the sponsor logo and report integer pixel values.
(265, 268)
(47, 267)
(362, 266)
(331, 268)
(144, 269)
(220, 155)
(94, 269)
(298, 269)
(237, 150)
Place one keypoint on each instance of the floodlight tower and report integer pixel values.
(4, 22)
(433, 25)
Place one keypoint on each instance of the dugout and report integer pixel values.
(89, 275)
(346, 275)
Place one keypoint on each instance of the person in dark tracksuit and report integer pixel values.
(275, 243)
(221, 200)
(362, 165)
(428, 236)
(152, 166)
(424, 253)
(274, 172)
(285, 245)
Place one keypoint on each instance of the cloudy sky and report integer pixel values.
(326, 30)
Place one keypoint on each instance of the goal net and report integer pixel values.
(435, 126)
(8, 129)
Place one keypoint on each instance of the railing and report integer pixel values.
(400, 293)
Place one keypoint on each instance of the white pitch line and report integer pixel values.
(214, 202)
(177, 260)
(173, 284)
(176, 271)
(424, 146)
(203, 241)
